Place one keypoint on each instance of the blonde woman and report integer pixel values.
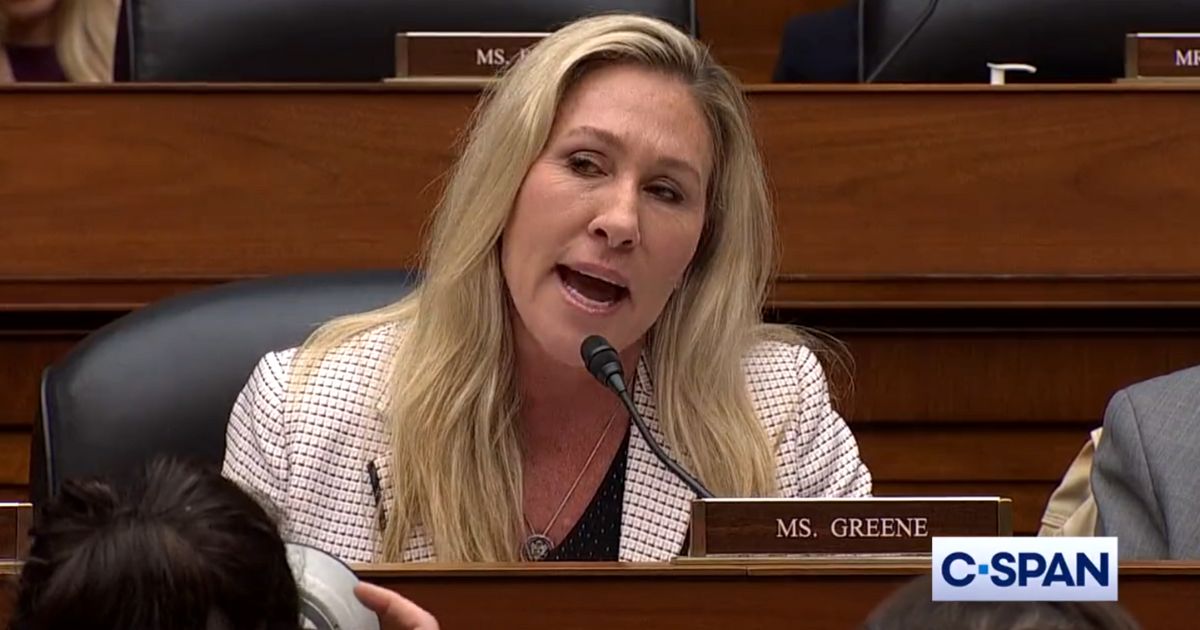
(610, 185)
(57, 40)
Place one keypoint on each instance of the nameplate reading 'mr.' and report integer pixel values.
(881, 525)
(450, 55)
(1162, 55)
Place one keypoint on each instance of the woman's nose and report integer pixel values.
(618, 221)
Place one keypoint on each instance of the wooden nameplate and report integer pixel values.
(1162, 56)
(456, 55)
(880, 525)
(15, 521)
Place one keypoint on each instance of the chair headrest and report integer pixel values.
(319, 40)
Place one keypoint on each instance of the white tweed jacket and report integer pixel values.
(310, 457)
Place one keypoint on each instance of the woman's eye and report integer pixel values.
(666, 193)
(583, 165)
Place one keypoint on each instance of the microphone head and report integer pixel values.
(326, 586)
(600, 359)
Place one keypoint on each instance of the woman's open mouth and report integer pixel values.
(593, 294)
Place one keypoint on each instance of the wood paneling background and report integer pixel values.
(886, 195)
(997, 411)
(997, 262)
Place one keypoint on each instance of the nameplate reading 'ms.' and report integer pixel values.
(448, 55)
(1162, 55)
(881, 525)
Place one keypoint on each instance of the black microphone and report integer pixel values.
(602, 361)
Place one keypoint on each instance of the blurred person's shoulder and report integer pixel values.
(1175, 392)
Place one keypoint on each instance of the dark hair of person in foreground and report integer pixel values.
(912, 608)
(178, 548)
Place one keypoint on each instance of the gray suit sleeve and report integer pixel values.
(1126, 497)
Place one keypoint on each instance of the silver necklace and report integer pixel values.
(538, 545)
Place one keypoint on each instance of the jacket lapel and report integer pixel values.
(657, 505)
(419, 547)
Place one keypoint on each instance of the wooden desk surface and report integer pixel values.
(696, 597)
(811, 595)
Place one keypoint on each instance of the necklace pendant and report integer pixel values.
(537, 547)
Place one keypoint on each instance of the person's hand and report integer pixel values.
(394, 611)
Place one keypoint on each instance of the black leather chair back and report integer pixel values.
(1067, 40)
(163, 379)
(325, 40)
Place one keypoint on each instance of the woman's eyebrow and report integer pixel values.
(612, 139)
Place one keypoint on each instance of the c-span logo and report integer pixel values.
(1024, 569)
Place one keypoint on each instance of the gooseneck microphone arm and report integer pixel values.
(603, 363)
(901, 45)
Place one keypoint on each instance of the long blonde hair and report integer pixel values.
(456, 468)
(85, 38)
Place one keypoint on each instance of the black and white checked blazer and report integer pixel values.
(310, 457)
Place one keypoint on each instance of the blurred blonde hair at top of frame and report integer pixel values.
(456, 464)
(85, 38)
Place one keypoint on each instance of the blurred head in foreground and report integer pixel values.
(911, 608)
(179, 548)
